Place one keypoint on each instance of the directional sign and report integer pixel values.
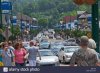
(6, 5)
(6, 34)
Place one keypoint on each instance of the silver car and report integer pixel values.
(47, 58)
(55, 47)
(45, 45)
(65, 56)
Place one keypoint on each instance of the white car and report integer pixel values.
(71, 42)
(47, 58)
(55, 47)
(65, 56)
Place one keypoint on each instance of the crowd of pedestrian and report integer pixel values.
(17, 55)
(14, 54)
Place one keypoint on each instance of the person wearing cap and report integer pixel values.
(33, 51)
(85, 56)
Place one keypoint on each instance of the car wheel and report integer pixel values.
(64, 61)
(59, 61)
(37, 64)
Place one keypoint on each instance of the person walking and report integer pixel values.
(19, 55)
(85, 56)
(92, 45)
(33, 51)
(7, 55)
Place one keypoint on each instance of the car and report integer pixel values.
(56, 49)
(45, 45)
(47, 58)
(65, 56)
(58, 37)
(44, 40)
(71, 42)
(51, 36)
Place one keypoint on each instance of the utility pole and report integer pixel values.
(95, 24)
(1, 38)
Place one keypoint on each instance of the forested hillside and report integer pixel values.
(50, 10)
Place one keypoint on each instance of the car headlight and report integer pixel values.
(56, 60)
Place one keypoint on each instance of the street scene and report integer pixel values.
(49, 33)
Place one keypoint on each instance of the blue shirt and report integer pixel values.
(7, 59)
(32, 53)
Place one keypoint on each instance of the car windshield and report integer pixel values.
(44, 44)
(73, 49)
(71, 40)
(44, 40)
(57, 43)
(46, 53)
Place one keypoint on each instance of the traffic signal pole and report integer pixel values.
(95, 24)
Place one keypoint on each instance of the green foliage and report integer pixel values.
(43, 22)
(15, 30)
(34, 32)
(56, 9)
(72, 33)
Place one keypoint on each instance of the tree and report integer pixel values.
(56, 9)
(43, 22)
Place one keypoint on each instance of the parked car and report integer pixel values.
(67, 54)
(47, 58)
